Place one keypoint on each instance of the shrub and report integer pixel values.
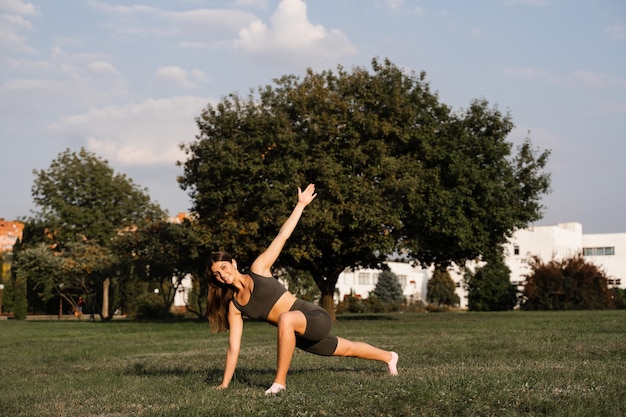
(568, 284)
(490, 288)
(619, 298)
(150, 306)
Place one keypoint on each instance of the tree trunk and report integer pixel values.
(105, 298)
(328, 304)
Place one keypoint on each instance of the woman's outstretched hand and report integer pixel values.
(306, 196)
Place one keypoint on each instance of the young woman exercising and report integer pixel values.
(259, 296)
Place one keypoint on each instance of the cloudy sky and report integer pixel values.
(125, 79)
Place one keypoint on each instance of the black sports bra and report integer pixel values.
(266, 291)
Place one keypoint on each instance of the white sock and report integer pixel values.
(275, 389)
(392, 364)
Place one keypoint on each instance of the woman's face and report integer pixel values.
(224, 271)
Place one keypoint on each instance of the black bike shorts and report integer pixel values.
(317, 337)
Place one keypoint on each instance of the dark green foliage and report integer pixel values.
(20, 303)
(301, 284)
(81, 198)
(83, 206)
(568, 284)
(163, 250)
(441, 289)
(372, 304)
(394, 168)
(490, 288)
(151, 307)
(619, 298)
(388, 289)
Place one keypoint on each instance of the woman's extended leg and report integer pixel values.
(366, 351)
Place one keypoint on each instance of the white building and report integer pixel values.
(361, 282)
(563, 240)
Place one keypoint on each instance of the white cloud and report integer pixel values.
(101, 68)
(291, 31)
(12, 22)
(617, 32)
(131, 134)
(180, 77)
(192, 26)
(122, 10)
(395, 4)
(18, 7)
(259, 4)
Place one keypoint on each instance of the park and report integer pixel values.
(516, 363)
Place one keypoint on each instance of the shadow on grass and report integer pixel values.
(251, 377)
(364, 316)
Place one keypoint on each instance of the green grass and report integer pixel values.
(453, 364)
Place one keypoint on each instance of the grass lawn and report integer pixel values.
(451, 364)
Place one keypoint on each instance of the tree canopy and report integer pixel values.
(395, 170)
(80, 197)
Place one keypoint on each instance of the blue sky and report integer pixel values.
(125, 79)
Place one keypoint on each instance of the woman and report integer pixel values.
(259, 296)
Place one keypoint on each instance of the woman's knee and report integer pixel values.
(292, 321)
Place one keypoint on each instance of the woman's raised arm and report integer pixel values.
(263, 264)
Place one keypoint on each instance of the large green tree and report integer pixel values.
(395, 169)
(81, 199)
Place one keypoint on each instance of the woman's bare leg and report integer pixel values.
(366, 351)
(288, 324)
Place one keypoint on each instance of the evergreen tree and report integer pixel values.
(441, 289)
(490, 288)
(388, 289)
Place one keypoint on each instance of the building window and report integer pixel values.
(599, 251)
(402, 280)
(516, 250)
(364, 278)
(617, 282)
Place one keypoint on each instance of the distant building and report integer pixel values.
(10, 232)
(560, 241)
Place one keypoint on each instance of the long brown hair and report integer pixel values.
(219, 296)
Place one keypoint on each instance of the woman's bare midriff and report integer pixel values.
(283, 304)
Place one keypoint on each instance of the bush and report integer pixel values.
(150, 307)
(619, 298)
(568, 284)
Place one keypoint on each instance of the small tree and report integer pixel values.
(441, 289)
(490, 288)
(388, 289)
(568, 284)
